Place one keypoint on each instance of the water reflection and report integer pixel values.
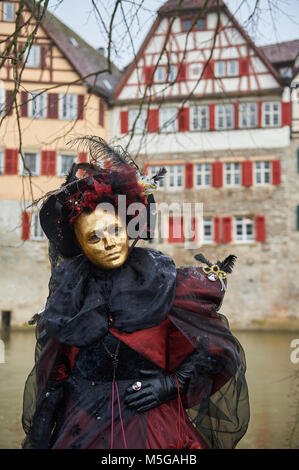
(273, 383)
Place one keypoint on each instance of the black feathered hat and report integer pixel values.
(111, 173)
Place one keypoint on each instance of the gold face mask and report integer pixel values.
(103, 238)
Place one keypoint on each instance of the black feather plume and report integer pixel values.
(228, 263)
(200, 257)
(160, 175)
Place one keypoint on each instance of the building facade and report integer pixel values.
(217, 114)
(56, 103)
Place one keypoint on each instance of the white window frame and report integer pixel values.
(234, 170)
(36, 231)
(203, 170)
(8, 7)
(175, 174)
(33, 57)
(192, 75)
(1, 161)
(220, 73)
(244, 221)
(152, 170)
(71, 109)
(2, 100)
(245, 111)
(234, 73)
(169, 117)
(224, 111)
(41, 101)
(200, 111)
(207, 222)
(271, 114)
(161, 69)
(23, 171)
(262, 172)
(140, 125)
(60, 159)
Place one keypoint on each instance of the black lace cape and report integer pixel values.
(153, 308)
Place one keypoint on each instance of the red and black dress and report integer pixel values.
(101, 328)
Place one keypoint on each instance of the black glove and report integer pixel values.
(159, 387)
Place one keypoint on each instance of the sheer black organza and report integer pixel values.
(155, 316)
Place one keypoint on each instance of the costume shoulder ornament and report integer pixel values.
(219, 270)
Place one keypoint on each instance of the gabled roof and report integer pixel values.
(84, 58)
(281, 52)
(171, 7)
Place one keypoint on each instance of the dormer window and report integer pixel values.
(199, 25)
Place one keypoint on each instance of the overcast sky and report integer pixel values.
(279, 24)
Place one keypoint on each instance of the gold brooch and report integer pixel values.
(214, 272)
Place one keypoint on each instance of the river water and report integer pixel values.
(273, 383)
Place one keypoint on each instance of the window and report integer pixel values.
(220, 69)
(232, 68)
(64, 164)
(286, 72)
(33, 57)
(225, 116)
(8, 11)
(172, 72)
(140, 124)
(248, 115)
(38, 105)
(187, 24)
(168, 119)
(160, 74)
(2, 101)
(207, 228)
(262, 173)
(200, 24)
(1, 162)
(31, 164)
(202, 174)
(232, 175)
(36, 230)
(199, 118)
(68, 106)
(271, 114)
(243, 229)
(175, 176)
(195, 71)
(153, 170)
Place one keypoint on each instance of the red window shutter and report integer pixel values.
(276, 172)
(101, 113)
(260, 228)
(148, 72)
(53, 106)
(217, 171)
(48, 164)
(80, 107)
(182, 73)
(8, 102)
(43, 56)
(82, 157)
(259, 113)
(247, 168)
(176, 230)
(217, 229)
(189, 175)
(183, 119)
(153, 120)
(11, 161)
(236, 115)
(212, 116)
(25, 225)
(286, 114)
(243, 66)
(24, 104)
(226, 229)
(146, 166)
(124, 122)
(209, 70)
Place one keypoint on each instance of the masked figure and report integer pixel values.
(131, 351)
